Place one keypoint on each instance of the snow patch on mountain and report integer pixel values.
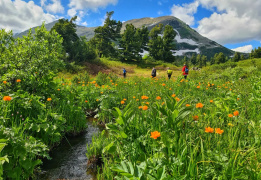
(182, 52)
(188, 41)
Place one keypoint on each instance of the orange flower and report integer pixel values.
(173, 95)
(49, 99)
(58, 89)
(209, 130)
(187, 105)
(211, 101)
(195, 117)
(198, 87)
(122, 102)
(230, 115)
(147, 103)
(134, 97)
(236, 113)
(97, 100)
(144, 97)
(101, 92)
(7, 98)
(199, 105)
(177, 99)
(144, 108)
(86, 101)
(219, 131)
(163, 84)
(140, 107)
(238, 99)
(124, 99)
(137, 99)
(158, 98)
(162, 103)
(18, 80)
(155, 134)
(4, 82)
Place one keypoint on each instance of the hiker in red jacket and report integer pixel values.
(185, 71)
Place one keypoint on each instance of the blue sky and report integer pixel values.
(233, 23)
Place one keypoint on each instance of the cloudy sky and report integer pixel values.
(236, 24)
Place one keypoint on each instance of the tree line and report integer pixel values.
(109, 42)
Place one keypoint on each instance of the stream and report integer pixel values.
(69, 161)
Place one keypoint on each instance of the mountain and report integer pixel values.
(187, 40)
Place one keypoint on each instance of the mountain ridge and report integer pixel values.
(187, 40)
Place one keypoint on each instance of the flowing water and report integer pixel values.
(69, 159)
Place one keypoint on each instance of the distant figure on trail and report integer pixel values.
(124, 72)
(169, 72)
(185, 71)
(153, 72)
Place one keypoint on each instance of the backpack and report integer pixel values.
(124, 71)
(186, 70)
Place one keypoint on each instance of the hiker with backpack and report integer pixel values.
(169, 72)
(153, 72)
(124, 72)
(185, 71)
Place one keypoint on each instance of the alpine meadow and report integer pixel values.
(62, 84)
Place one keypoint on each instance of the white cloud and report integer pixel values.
(234, 21)
(19, 15)
(91, 4)
(84, 23)
(244, 49)
(54, 7)
(159, 3)
(71, 12)
(160, 12)
(185, 12)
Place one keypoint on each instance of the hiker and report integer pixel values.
(124, 72)
(185, 71)
(153, 72)
(169, 72)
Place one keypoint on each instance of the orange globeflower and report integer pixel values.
(236, 113)
(101, 92)
(18, 80)
(209, 130)
(173, 95)
(140, 107)
(122, 102)
(4, 82)
(7, 98)
(134, 97)
(211, 101)
(155, 134)
(144, 97)
(177, 99)
(219, 131)
(58, 89)
(158, 98)
(162, 103)
(198, 87)
(124, 99)
(238, 99)
(230, 115)
(145, 108)
(49, 99)
(195, 117)
(187, 105)
(97, 100)
(86, 101)
(199, 105)
(163, 84)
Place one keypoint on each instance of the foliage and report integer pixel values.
(104, 35)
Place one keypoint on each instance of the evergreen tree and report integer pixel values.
(168, 40)
(220, 58)
(212, 61)
(236, 57)
(198, 60)
(67, 30)
(133, 42)
(104, 35)
(193, 59)
(156, 42)
(204, 60)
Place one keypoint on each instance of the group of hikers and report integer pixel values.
(185, 71)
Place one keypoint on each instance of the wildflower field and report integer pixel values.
(205, 127)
